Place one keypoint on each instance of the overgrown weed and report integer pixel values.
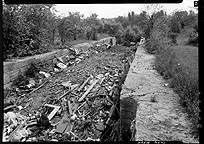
(183, 82)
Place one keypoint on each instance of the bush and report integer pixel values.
(173, 37)
(153, 45)
(158, 36)
(130, 35)
(25, 28)
(193, 39)
(118, 36)
(183, 82)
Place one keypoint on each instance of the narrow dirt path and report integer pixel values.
(158, 114)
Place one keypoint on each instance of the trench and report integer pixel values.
(122, 112)
(128, 108)
(123, 128)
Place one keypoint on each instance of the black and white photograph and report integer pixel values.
(111, 72)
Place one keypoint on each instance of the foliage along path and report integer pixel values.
(158, 114)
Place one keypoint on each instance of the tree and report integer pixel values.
(25, 28)
(123, 20)
(182, 18)
(112, 28)
(191, 18)
(118, 36)
(70, 26)
(130, 35)
(62, 30)
(131, 18)
(149, 15)
(158, 36)
(74, 24)
(174, 28)
(141, 20)
(40, 16)
(92, 23)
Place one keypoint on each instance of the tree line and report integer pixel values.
(31, 29)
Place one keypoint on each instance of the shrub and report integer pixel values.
(193, 39)
(118, 36)
(158, 36)
(154, 45)
(195, 27)
(173, 37)
(25, 27)
(130, 35)
(183, 82)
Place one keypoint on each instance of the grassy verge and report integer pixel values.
(179, 66)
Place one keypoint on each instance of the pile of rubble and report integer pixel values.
(83, 111)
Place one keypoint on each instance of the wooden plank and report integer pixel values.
(61, 127)
(70, 108)
(19, 127)
(9, 107)
(56, 108)
(75, 107)
(63, 95)
(88, 90)
(85, 82)
(81, 105)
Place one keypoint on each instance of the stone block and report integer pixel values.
(14, 74)
(9, 66)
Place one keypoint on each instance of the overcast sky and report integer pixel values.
(115, 10)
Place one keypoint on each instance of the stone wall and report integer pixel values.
(12, 69)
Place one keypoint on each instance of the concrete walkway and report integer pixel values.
(158, 114)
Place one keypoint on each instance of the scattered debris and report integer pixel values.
(166, 84)
(61, 127)
(31, 83)
(59, 59)
(88, 90)
(56, 108)
(45, 74)
(85, 82)
(87, 110)
(67, 84)
(132, 43)
(61, 66)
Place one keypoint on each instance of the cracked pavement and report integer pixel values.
(159, 116)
